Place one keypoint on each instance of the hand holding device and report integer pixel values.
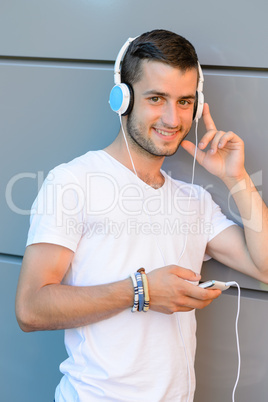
(174, 289)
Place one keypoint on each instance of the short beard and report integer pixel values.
(143, 145)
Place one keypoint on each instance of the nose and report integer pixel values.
(171, 117)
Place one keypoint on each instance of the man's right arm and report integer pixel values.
(44, 303)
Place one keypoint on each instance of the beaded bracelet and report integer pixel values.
(136, 294)
(140, 290)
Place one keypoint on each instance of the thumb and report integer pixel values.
(190, 148)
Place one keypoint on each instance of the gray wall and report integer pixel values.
(56, 61)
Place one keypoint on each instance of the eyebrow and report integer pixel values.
(165, 94)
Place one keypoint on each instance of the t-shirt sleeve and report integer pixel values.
(57, 212)
(219, 222)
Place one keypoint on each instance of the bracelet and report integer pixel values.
(140, 290)
(136, 294)
(145, 289)
(146, 292)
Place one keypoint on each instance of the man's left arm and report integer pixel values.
(244, 250)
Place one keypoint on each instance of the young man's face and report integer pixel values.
(163, 108)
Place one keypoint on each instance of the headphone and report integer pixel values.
(122, 97)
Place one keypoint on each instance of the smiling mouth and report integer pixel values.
(166, 133)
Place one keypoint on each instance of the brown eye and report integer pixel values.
(155, 99)
(184, 102)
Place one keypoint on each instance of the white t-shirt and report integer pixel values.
(115, 224)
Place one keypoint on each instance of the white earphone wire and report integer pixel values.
(237, 336)
(126, 142)
(185, 241)
(117, 80)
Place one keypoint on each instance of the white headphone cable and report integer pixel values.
(185, 242)
(126, 142)
(191, 190)
(237, 336)
(182, 252)
(186, 238)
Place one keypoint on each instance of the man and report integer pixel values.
(102, 216)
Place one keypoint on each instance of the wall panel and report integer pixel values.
(29, 362)
(225, 33)
(50, 114)
(216, 359)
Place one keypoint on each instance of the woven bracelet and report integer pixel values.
(136, 294)
(146, 292)
(145, 289)
(140, 290)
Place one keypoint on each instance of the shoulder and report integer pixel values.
(87, 161)
(77, 169)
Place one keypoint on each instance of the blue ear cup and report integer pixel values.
(121, 96)
(121, 99)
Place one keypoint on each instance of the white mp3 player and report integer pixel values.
(214, 285)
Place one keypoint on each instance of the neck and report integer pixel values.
(147, 166)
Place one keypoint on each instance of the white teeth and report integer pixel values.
(164, 133)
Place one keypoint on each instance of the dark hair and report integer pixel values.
(157, 45)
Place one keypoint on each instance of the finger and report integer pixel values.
(209, 294)
(185, 273)
(192, 302)
(228, 137)
(209, 122)
(221, 139)
(205, 140)
(216, 141)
